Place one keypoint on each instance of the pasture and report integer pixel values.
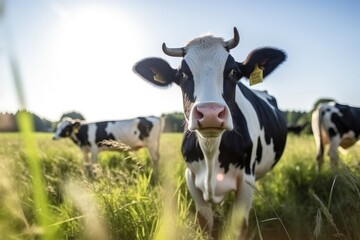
(125, 202)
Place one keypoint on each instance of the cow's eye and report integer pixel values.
(233, 74)
(184, 76)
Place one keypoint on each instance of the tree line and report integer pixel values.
(174, 122)
(8, 121)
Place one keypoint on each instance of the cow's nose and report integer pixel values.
(210, 115)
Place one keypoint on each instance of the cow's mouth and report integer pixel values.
(210, 132)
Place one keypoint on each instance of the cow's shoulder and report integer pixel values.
(102, 132)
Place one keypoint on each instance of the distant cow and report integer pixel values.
(296, 128)
(136, 133)
(336, 124)
(234, 135)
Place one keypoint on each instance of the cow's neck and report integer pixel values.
(209, 146)
(210, 149)
(74, 138)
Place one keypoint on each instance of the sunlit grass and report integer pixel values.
(291, 202)
(43, 224)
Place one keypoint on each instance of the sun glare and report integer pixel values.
(94, 43)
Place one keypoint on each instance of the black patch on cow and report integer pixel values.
(271, 121)
(235, 150)
(190, 147)
(258, 155)
(258, 151)
(231, 74)
(348, 121)
(144, 127)
(82, 136)
(186, 82)
(101, 134)
(332, 132)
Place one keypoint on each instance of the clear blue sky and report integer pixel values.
(78, 55)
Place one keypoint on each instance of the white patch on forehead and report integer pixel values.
(61, 126)
(206, 58)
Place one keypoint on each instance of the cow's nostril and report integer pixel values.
(198, 114)
(222, 114)
(210, 115)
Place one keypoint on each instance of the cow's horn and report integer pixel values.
(173, 52)
(232, 43)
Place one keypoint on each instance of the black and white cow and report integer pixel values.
(336, 124)
(136, 133)
(234, 135)
(296, 128)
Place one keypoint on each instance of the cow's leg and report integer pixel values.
(90, 165)
(203, 208)
(94, 152)
(154, 153)
(318, 134)
(87, 163)
(333, 150)
(241, 208)
(320, 157)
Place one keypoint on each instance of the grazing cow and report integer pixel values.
(336, 124)
(297, 128)
(136, 133)
(233, 135)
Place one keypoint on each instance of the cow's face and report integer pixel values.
(208, 75)
(65, 128)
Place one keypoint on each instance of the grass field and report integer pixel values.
(125, 202)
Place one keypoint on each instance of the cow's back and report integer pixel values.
(136, 132)
(265, 127)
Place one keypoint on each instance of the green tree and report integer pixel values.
(321, 100)
(73, 115)
(174, 122)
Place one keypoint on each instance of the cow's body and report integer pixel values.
(337, 125)
(234, 135)
(136, 133)
(296, 128)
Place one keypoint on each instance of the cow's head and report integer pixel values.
(208, 75)
(66, 127)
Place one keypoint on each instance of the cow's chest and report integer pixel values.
(212, 180)
(220, 170)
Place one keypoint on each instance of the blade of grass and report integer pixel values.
(26, 125)
(258, 225)
(331, 192)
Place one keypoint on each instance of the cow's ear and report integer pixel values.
(267, 59)
(156, 71)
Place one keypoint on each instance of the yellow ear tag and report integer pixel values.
(256, 76)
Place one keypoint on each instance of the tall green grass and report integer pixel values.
(311, 205)
(124, 201)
